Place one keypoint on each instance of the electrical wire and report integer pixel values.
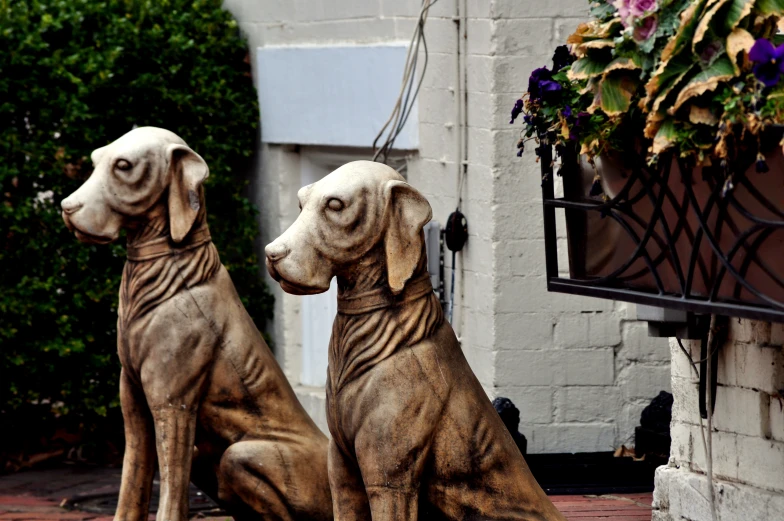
(691, 360)
(707, 441)
(408, 91)
(451, 306)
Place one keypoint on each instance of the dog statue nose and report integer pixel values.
(69, 205)
(276, 251)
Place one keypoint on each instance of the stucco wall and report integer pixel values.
(579, 369)
(748, 434)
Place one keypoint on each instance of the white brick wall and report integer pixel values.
(748, 432)
(579, 369)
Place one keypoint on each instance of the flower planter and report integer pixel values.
(670, 236)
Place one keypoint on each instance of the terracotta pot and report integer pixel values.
(670, 231)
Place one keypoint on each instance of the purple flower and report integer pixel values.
(535, 82)
(528, 119)
(516, 110)
(646, 28)
(549, 87)
(566, 112)
(768, 61)
(580, 121)
(562, 58)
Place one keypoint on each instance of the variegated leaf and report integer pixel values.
(582, 49)
(689, 20)
(587, 67)
(737, 10)
(705, 23)
(731, 12)
(739, 40)
(652, 124)
(766, 7)
(702, 115)
(664, 137)
(594, 30)
(706, 80)
(660, 85)
(616, 93)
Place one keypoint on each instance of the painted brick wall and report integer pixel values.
(748, 434)
(579, 369)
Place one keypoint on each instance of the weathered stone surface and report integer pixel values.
(413, 431)
(680, 494)
(747, 437)
(201, 392)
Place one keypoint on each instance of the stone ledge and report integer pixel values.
(682, 495)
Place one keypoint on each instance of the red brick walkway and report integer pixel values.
(623, 507)
(37, 496)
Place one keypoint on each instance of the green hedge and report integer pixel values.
(75, 75)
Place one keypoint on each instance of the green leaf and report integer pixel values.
(616, 92)
(588, 67)
(719, 20)
(603, 10)
(735, 11)
(706, 80)
(767, 7)
(664, 137)
(660, 86)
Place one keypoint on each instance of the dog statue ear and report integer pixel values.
(187, 172)
(407, 214)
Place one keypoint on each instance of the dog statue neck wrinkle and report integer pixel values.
(361, 341)
(147, 283)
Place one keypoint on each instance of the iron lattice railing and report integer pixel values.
(663, 237)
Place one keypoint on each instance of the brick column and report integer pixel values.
(748, 434)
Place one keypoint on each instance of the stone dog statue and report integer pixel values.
(195, 370)
(413, 433)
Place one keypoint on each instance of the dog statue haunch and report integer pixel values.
(413, 433)
(199, 387)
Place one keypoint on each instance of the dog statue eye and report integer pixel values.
(335, 205)
(123, 165)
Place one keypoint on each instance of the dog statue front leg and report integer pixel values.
(349, 500)
(139, 460)
(389, 503)
(175, 433)
(392, 475)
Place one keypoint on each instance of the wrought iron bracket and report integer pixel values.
(721, 234)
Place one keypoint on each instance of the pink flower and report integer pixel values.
(630, 10)
(645, 28)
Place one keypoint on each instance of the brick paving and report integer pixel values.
(43, 495)
(622, 507)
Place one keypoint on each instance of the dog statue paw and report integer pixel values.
(201, 393)
(414, 435)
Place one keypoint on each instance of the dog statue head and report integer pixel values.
(147, 173)
(361, 212)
